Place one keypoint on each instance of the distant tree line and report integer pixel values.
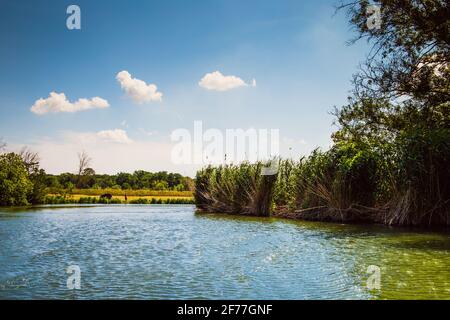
(23, 182)
(139, 179)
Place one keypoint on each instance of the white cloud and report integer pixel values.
(57, 102)
(138, 90)
(116, 135)
(218, 82)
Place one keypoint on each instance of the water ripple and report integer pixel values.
(168, 252)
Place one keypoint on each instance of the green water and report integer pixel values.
(169, 252)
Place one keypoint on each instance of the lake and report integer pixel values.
(170, 252)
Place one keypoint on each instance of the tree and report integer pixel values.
(88, 178)
(15, 186)
(30, 159)
(84, 162)
(36, 175)
(66, 178)
(125, 180)
(400, 108)
(88, 172)
(161, 185)
(410, 53)
(126, 186)
(39, 180)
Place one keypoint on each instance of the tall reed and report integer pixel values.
(237, 189)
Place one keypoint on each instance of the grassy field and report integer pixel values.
(129, 197)
(118, 196)
(141, 193)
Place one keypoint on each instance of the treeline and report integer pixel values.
(139, 179)
(391, 154)
(23, 182)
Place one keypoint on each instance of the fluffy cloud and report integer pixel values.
(57, 102)
(138, 90)
(116, 135)
(218, 82)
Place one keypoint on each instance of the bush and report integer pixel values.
(15, 185)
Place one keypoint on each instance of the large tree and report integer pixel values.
(36, 175)
(84, 161)
(405, 81)
(410, 55)
(15, 186)
(400, 107)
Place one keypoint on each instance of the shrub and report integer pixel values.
(15, 185)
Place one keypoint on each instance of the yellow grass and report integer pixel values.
(141, 193)
(129, 198)
(78, 196)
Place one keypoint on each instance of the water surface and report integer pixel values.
(169, 252)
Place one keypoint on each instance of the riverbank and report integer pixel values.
(318, 189)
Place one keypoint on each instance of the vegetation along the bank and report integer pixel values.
(23, 182)
(390, 161)
(93, 200)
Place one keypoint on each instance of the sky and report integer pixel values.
(138, 70)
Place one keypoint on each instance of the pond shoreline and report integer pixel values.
(294, 216)
(313, 218)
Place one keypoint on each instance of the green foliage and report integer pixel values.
(410, 53)
(160, 185)
(179, 187)
(283, 188)
(404, 142)
(97, 200)
(404, 182)
(138, 180)
(39, 181)
(15, 185)
(237, 189)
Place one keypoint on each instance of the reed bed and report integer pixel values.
(236, 189)
(344, 184)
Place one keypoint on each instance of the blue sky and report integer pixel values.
(295, 50)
